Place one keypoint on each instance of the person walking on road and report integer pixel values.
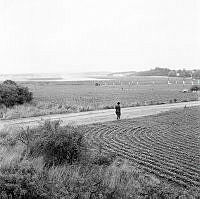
(118, 110)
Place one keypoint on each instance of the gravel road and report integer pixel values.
(97, 116)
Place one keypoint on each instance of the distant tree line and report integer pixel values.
(171, 73)
(154, 72)
(12, 94)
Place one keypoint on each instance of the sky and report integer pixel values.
(38, 36)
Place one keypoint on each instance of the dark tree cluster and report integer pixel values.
(195, 88)
(97, 84)
(155, 72)
(12, 94)
(171, 73)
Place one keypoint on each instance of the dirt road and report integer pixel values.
(97, 116)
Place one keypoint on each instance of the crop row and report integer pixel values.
(167, 145)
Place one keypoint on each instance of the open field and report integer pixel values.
(167, 144)
(155, 156)
(86, 94)
(79, 96)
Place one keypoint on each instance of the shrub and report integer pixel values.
(195, 88)
(57, 145)
(11, 94)
(10, 82)
(23, 182)
(7, 138)
(23, 95)
(105, 160)
(26, 136)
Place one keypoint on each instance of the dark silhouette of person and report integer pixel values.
(118, 110)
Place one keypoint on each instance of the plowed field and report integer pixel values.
(167, 144)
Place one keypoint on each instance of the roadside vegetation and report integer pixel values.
(51, 161)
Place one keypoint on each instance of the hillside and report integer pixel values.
(159, 72)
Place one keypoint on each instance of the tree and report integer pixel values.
(195, 88)
(12, 94)
(10, 82)
(172, 73)
(196, 74)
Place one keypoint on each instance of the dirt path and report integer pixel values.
(97, 116)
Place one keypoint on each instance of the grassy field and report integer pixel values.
(150, 157)
(77, 96)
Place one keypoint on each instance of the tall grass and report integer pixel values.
(39, 109)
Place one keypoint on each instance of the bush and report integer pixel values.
(57, 145)
(23, 182)
(195, 88)
(9, 82)
(11, 94)
(105, 160)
